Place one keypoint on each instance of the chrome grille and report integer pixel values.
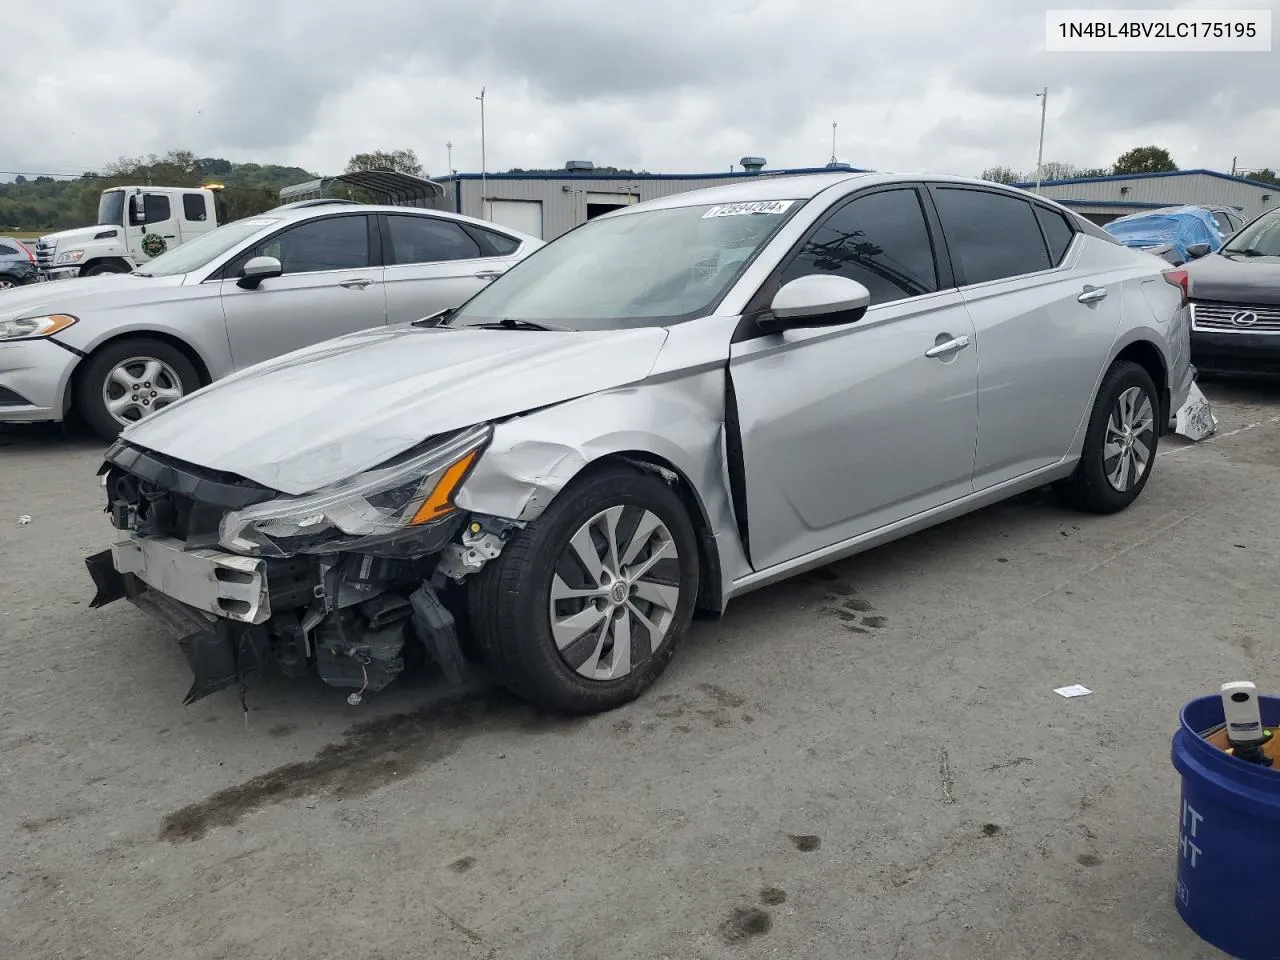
(1237, 317)
(45, 251)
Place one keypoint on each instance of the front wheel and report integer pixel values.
(129, 379)
(583, 609)
(107, 266)
(1120, 444)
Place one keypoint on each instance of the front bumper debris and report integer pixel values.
(224, 584)
(357, 620)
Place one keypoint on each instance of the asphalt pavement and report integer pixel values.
(867, 762)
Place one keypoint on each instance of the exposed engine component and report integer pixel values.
(481, 542)
(351, 651)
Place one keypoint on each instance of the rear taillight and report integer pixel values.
(1182, 281)
(27, 250)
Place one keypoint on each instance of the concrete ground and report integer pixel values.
(866, 763)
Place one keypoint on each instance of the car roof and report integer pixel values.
(310, 211)
(805, 187)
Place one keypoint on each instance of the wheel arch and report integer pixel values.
(99, 261)
(1147, 355)
(191, 353)
(710, 588)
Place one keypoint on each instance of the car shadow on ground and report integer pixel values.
(16, 438)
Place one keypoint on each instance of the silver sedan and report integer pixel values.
(660, 411)
(116, 348)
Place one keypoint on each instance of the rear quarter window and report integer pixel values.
(1057, 233)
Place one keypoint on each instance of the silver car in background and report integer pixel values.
(664, 409)
(116, 348)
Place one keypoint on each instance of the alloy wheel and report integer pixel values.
(1126, 450)
(6, 284)
(614, 592)
(139, 386)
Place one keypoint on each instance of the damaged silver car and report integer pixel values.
(670, 406)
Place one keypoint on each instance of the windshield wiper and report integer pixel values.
(510, 323)
(1246, 252)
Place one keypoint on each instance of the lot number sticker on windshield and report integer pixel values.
(743, 209)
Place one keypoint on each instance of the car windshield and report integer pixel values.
(641, 269)
(1260, 239)
(200, 251)
(111, 208)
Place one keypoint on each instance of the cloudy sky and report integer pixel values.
(914, 86)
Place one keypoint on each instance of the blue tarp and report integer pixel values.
(1179, 227)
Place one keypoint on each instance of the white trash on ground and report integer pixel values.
(1195, 419)
(24, 520)
(1074, 690)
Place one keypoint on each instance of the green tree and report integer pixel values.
(401, 161)
(1002, 175)
(1151, 159)
(1265, 175)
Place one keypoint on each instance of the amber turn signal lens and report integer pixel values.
(440, 502)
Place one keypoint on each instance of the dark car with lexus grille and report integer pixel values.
(1235, 302)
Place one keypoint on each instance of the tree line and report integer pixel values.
(1148, 159)
(46, 203)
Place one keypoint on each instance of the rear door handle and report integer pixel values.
(489, 274)
(357, 284)
(1092, 294)
(946, 349)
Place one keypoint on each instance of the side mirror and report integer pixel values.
(1198, 250)
(257, 270)
(137, 211)
(818, 300)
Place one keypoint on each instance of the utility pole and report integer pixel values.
(449, 168)
(1044, 105)
(483, 165)
(833, 142)
(1233, 165)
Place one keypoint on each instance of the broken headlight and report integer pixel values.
(370, 508)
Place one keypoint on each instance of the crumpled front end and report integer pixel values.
(352, 582)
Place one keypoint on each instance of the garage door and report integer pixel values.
(522, 215)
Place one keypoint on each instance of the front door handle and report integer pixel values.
(358, 284)
(1092, 294)
(954, 345)
(489, 274)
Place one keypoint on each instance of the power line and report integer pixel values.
(68, 176)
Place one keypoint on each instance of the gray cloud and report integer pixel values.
(662, 85)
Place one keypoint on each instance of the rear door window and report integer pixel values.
(991, 236)
(194, 208)
(428, 240)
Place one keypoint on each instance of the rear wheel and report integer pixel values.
(129, 379)
(1120, 445)
(7, 283)
(583, 609)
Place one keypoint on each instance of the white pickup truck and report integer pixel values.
(134, 225)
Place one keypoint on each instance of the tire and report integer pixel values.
(177, 377)
(1093, 487)
(98, 269)
(510, 600)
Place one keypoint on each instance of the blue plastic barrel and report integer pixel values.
(1229, 837)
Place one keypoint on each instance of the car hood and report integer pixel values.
(1235, 279)
(76, 234)
(321, 414)
(85, 294)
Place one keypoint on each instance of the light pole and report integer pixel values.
(449, 167)
(833, 142)
(1044, 104)
(483, 165)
